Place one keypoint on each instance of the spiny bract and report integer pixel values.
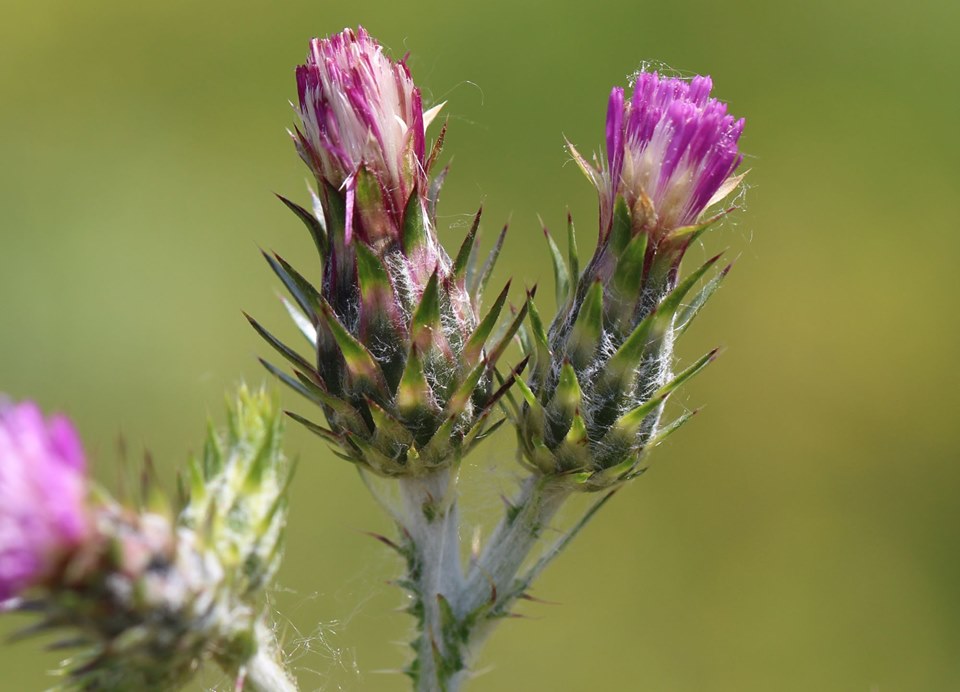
(401, 363)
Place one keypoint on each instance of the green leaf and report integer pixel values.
(476, 283)
(415, 228)
(670, 428)
(573, 255)
(628, 275)
(302, 290)
(561, 274)
(458, 400)
(425, 329)
(474, 346)
(387, 427)
(588, 327)
(316, 226)
(467, 249)
(414, 394)
(685, 318)
(669, 305)
(289, 354)
(494, 354)
(622, 366)
(315, 428)
(542, 363)
(621, 232)
(360, 362)
(304, 325)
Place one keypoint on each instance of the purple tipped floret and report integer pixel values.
(43, 491)
(671, 143)
(360, 109)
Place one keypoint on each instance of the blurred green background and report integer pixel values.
(802, 534)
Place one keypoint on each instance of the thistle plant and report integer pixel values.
(408, 371)
(143, 596)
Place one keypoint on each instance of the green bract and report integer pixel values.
(400, 361)
(591, 407)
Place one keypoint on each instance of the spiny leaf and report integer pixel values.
(387, 426)
(433, 194)
(303, 323)
(302, 290)
(622, 365)
(586, 332)
(621, 232)
(360, 363)
(670, 428)
(425, 325)
(561, 274)
(414, 393)
(542, 363)
(592, 174)
(568, 394)
(292, 356)
(628, 276)
(685, 318)
(458, 400)
(498, 348)
(437, 148)
(317, 230)
(476, 283)
(415, 230)
(669, 305)
(474, 345)
(315, 428)
(573, 255)
(467, 248)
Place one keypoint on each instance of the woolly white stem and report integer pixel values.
(263, 671)
(432, 524)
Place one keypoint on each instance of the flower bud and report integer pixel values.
(603, 370)
(401, 365)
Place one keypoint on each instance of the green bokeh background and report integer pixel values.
(801, 535)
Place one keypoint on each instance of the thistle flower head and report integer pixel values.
(670, 149)
(149, 596)
(362, 128)
(43, 489)
(400, 361)
(604, 368)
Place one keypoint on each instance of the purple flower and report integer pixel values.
(362, 127)
(43, 490)
(670, 150)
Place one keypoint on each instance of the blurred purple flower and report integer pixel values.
(43, 490)
(671, 150)
(363, 127)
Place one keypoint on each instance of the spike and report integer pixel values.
(415, 232)
(302, 291)
(425, 328)
(476, 283)
(586, 332)
(360, 363)
(693, 309)
(467, 249)
(497, 350)
(289, 354)
(573, 256)
(474, 346)
(561, 273)
(315, 225)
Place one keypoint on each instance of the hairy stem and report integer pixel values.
(432, 526)
(263, 671)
